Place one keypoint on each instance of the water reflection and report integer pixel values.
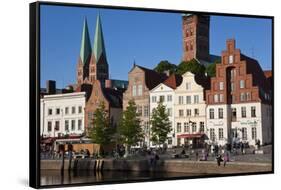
(55, 177)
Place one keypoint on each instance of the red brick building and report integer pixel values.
(239, 100)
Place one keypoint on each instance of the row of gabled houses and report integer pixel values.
(233, 106)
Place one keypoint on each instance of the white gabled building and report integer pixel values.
(165, 92)
(62, 114)
(190, 110)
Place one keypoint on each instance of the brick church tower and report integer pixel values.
(195, 37)
(85, 55)
(98, 63)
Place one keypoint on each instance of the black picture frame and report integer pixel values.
(34, 98)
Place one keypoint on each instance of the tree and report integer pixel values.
(101, 133)
(165, 66)
(193, 66)
(161, 126)
(211, 69)
(129, 128)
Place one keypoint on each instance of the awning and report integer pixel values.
(191, 136)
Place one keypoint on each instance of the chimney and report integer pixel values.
(167, 72)
(51, 87)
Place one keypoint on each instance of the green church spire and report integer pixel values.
(86, 49)
(98, 46)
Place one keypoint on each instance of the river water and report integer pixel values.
(54, 177)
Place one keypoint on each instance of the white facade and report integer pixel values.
(167, 95)
(62, 114)
(247, 122)
(190, 110)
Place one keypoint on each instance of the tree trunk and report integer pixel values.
(127, 149)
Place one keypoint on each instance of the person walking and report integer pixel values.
(219, 159)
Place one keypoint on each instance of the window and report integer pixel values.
(49, 126)
(220, 133)
(212, 134)
(178, 141)
(72, 125)
(134, 90)
(194, 127)
(253, 111)
(188, 112)
(244, 133)
(139, 110)
(169, 111)
(178, 127)
(162, 98)
(233, 115)
(211, 113)
(180, 99)
(220, 113)
(216, 98)
(154, 99)
(79, 124)
(230, 59)
(50, 111)
(221, 85)
(242, 96)
(80, 109)
(169, 98)
(248, 96)
(232, 87)
(243, 112)
(66, 110)
(66, 125)
(242, 84)
(57, 111)
(254, 133)
(201, 129)
(140, 90)
(196, 99)
(170, 141)
(146, 111)
(188, 86)
(90, 119)
(73, 110)
(57, 125)
(196, 112)
(146, 127)
(221, 98)
(181, 113)
(188, 99)
(186, 127)
(232, 74)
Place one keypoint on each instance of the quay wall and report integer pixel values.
(181, 165)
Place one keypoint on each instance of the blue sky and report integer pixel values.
(146, 37)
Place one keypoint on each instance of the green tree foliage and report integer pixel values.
(129, 128)
(161, 126)
(165, 66)
(101, 132)
(211, 69)
(192, 66)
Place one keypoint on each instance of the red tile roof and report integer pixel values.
(173, 81)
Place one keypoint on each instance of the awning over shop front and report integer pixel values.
(191, 136)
